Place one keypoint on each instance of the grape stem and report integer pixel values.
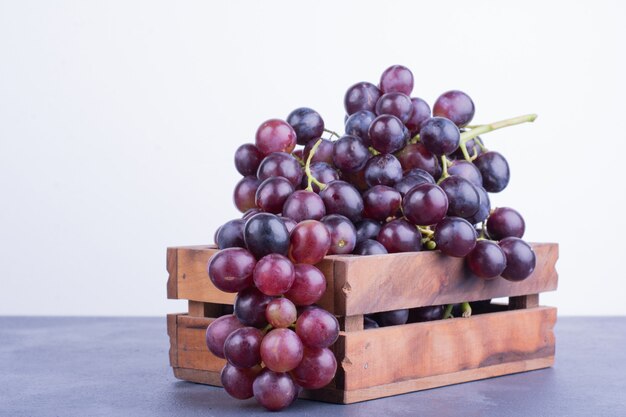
(467, 309)
(415, 139)
(444, 168)
(425, 231)
(267, 329)
(307, 169)
(448, 313)
(480, 129)
(332, 133)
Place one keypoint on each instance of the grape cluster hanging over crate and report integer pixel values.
(399, 180)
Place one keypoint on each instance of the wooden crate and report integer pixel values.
(393, 360)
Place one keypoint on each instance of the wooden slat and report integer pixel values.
(172, 269)
(427, 278)
(192, 350)
(524, 301)
(202, 309)
(397, 353)
(172, 331)
(351, 323)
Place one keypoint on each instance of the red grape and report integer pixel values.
(440, 136)
(342, 234)
(463, 198)
(304, 205)
(230, 270)
(456, 106)
(466, 170)
(247, 159)
(281, 350)
(250, 306)
(400, 236)
(395, 104)
(381, 202)
(388, 134)
(420, 112)
(415, 155)
(505, 222)
(273, 274)
(361, 96)
(350, 153)
(425, 204)
(273, 390)
(487, 260)
(317, 368)
(230, 235)
(342, 198)
(307, 123)
(397, 78)
(242, 347)
(244, 194)
(520, 259)
(308, 286)
(275, 135)
(323, 153)
(455, 236)
(383, 169)
(281, 313)
(317, 328)
(237, 382)
(309, 242)
(281, 164)
(272, 194)
(218, 331)
(358, 124)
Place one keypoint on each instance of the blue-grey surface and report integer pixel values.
(119, 367)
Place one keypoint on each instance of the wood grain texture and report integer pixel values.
(397, 353)
(172, 265)
(172, 332)
(192, 350)
(428, 278)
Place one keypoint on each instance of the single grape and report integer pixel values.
(237, 382)
(280, 164)
(466, 170)
(275, 135)
(392, 318)
(358, 124)
(273, 274)
(520, 259)
(281, 350)
(495, 171)
(415, 155)
(230, 235)
(440, 136)
(407, 182)
(463, 199)
(369, 323)
(456, 106)
(304, 205)
(350, 153)
(247, 159)
(367, 229)
(342, 234)
(484, 207)
(455, 236)
(317, 369)
(307, 123)
(308, 286)
(245, 192)
(322, 172)
(361, 96)
(265, 233)
(395, 104)
(425, 204)
(505, 222)
(388, 134)
(370, 247)
(383, 170)
(419, 114)
(342, 198)
(250, 306)
(242, 347)
(272, 194)
(487, 260)
(430, 313)
(323, 153)
(281, 313)
(230, 270)
(317, 328)
(309, 242)
(274, 391)
(397, 78)
(218, 331)
(400, 236)
(381, 202)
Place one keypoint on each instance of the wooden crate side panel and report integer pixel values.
(428, 278)
(172, 271)
(398, 353)
(192, 350)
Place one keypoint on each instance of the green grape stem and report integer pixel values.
(332, 133)
(467, 309)
(307, 169)
(447, 314)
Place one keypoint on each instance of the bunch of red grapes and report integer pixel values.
(401, 179)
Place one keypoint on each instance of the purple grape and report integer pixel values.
(388, 134)
(520, 259)
(392, 318)
(419, 114)
(244, 194)
(381, 202)
(247, 159)
(358, 125)
(505, 222)
(265, 233)
(280, 164)
(230, 235)
(317, 328)
(487, 260)
(455, 236)
(230, 270)
(466, 170)
(425, 204)
(309, 242)
(400, 236)
(440, 136)
(416, 155)
(323, 153)
(307, 123)
(463, 198)
(350, 154)
(397, 78)
(272, 194)
(370, 247)
(342, 234)
(317, 369)
(472, 146)
(218, 331)
(369, 323)
(422, 314)
(281, 350)
(273, 274)
(308, 286)
(250, 306)
(275, 135)
(237, 382)
(395, 104)
(322, 172)
(304, 205)
(495, 171)
(367, 229)
(484, 207)
(408, 182)
(361, 96)
(342, 198)
(274, 391)
(242, 347)
(383, 170)
(456, 106)
(281, 313)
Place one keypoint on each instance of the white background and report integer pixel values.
(118, 121)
